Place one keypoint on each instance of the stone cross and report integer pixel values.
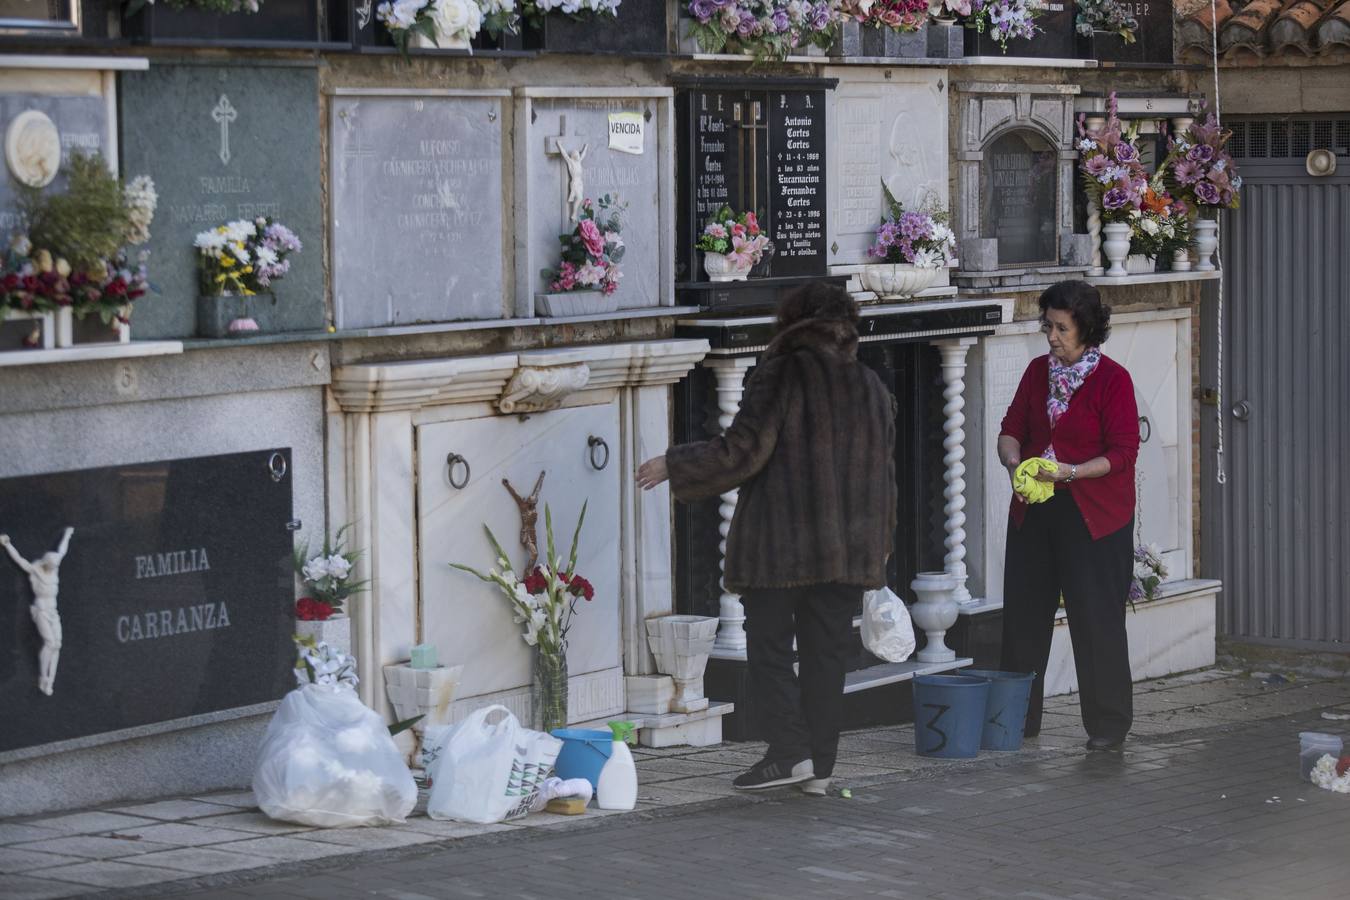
(576, 189)
(224, 113)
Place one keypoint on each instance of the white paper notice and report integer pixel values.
(625, 132)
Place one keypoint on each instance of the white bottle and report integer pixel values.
(618, 780)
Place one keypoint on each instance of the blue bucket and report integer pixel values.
(584, 753)
(949, 715)
(1005, 715)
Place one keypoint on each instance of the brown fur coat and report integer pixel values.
(813, 453)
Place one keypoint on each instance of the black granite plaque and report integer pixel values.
(276, 21)
(82, 123)
(640, 27)
(1017, 198)
(176, 594)
(761, 150)
(226, 142)
(1153, 38)
(797, 174)
(1055, 36)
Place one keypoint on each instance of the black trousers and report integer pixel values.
(799, 715)
(1050, 555)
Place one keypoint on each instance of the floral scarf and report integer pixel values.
(1064, 382)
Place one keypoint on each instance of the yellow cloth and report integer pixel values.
(1025, 483)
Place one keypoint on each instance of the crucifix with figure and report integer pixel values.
(224, 113)
(576, 188)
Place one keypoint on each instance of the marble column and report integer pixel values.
(730, 375)
(1094, 124)
(954, 352)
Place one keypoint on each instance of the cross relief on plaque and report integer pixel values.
(572, 159)
(224, 114)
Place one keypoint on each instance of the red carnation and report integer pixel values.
(580, 587)
(307, 609)
(536, 582)
(1342, 766)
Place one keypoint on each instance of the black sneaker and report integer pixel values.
(767, 774)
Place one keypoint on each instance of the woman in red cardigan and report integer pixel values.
(1075, 406)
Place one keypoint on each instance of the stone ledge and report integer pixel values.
(90, 353)
(1153, 278)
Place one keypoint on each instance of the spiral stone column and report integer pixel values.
(1094, 125)
(730, 375)
(953, 394)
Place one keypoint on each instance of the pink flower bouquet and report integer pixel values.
(591, 252)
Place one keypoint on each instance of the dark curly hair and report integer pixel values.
(817, 300)
(1082, 301)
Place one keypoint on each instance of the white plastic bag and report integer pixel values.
(886, 629)
(328, 760)
(486, 772)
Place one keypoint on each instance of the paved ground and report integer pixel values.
(1205, 804)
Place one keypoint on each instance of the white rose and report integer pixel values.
(338, 567)
(457, 18)
(315, 569)
(1149, 226)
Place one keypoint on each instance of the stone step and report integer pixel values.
(696, 729)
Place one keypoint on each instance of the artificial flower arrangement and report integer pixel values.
(1201, 173)
(592, 251)
(318, 663)
(736, 236)
(921, 239)
(222, 7)
(454, 21)
(900, 15)
(1109, 162)
(1332, 774)
(770, 29)
(75, 253)
(1003, 19)
(326, 577)
(1149, 572)
(1105, 15)
(244, 256)
(545, 602)
(535, 10)
(1159, 227)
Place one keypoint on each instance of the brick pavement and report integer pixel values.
(1206, 804)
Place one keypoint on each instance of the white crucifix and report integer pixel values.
(576, 188)
(224, 113)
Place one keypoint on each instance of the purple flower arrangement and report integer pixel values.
(1110, 167)
(766, 28)
(1201, 171)
(1003, 19)
(915, 238)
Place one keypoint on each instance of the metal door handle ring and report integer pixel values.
(1148, 429)
(592, 442)
(276, 464)
(1242, 410)
(454, 459)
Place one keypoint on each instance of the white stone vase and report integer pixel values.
(442, 42)
(897, 281)
(335, 631)
(1181, 260)
(720, 268)
(421, 692)
(1116, 247)
(935, 611)
(1206, 242)
(575, 303)
(1139, 264)
(681, 645)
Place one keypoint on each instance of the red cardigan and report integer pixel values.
(1102, 420)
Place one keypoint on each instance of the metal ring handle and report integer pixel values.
(454, 459)
(276, 464)
(592, 442)
(1148, 429)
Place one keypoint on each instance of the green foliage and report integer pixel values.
(86, 223)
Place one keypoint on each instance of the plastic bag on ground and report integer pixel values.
(487, 771)
(328, 760)
(886, 629)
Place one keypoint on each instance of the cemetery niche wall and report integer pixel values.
(756, 146)
(174, 603)
(1015, 181)
(226, 141)
(417, 206)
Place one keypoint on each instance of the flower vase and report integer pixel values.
(1139, 264)
(896, 281)
(548, 695)
(226, 315)
(1206, 242)
(720, 267)
(935, 611)
(442, 42)
(1181, 260)
(1116, 247)
(335, 631)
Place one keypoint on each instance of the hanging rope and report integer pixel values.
(1220, 475)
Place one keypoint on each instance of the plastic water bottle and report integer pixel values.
(618, 779)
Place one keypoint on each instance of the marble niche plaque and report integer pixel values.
(417, 207)
(891, 130)
(1017, 191)
(175, 600)
(226, 142)
(81, 125)
(628, 164)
